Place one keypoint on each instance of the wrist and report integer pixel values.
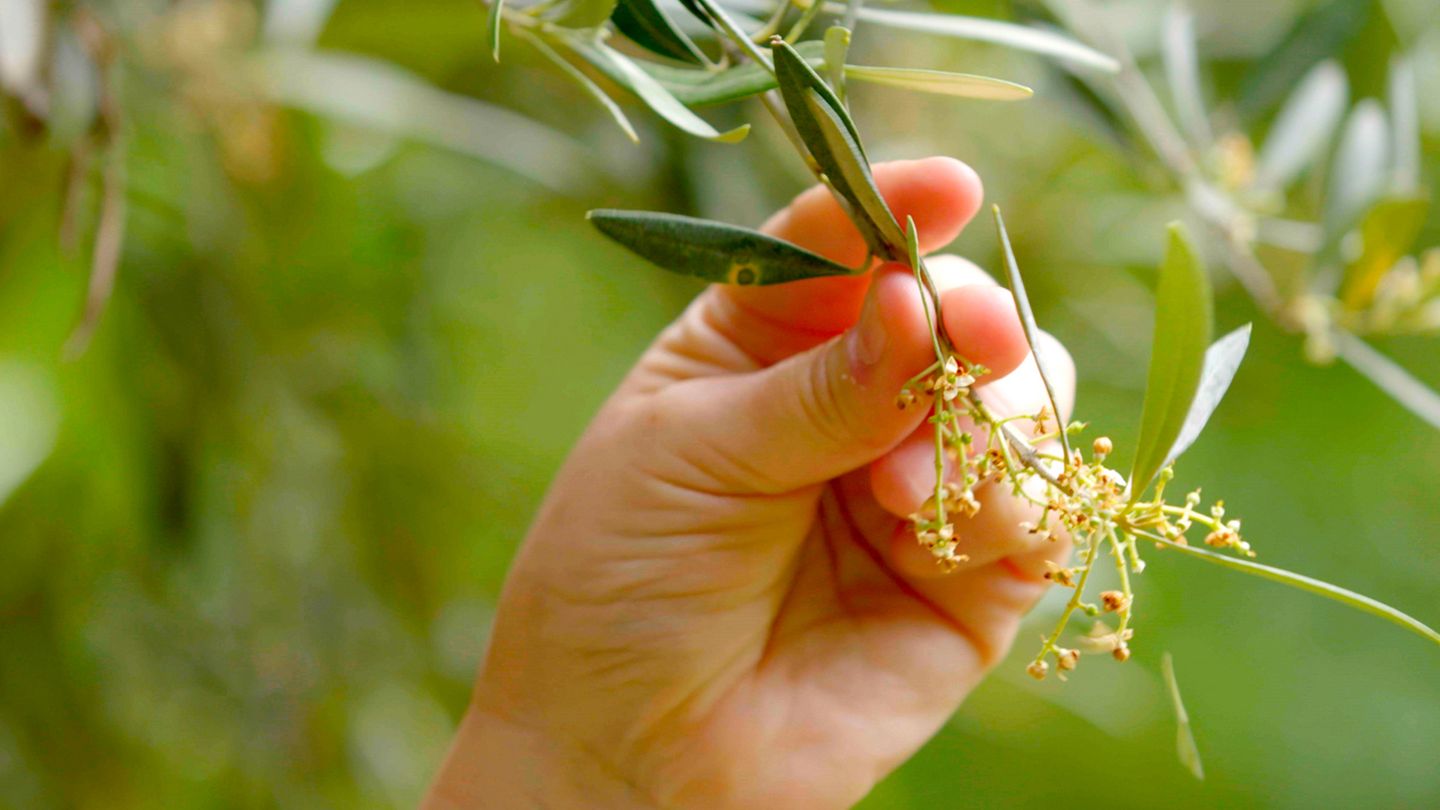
(496, 762)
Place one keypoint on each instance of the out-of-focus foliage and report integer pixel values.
(251, 537)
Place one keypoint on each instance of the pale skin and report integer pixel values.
(720, 603)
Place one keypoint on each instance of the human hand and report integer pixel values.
(721, 603)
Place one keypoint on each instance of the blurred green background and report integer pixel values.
(251, 538)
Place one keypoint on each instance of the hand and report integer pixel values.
(720, 603)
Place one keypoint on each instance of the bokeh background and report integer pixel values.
(251, 537)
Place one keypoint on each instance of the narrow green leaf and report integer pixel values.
(581, 13)
(1222, 360)
(1303, 126)
(656, 97)
(1182, 71)
(1027, 320)
(1177, 356)
(1342, 595)
(1388, 231)
(586, 84)
(1359, 170)
(714, 251)
(1185, 746)
(700, 88)
(835, 144)
(1020, 37)
(1404, 126)
(493, 30)
(966, 85)
(837, 46)
(647, 24)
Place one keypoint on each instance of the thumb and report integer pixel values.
(818, 414)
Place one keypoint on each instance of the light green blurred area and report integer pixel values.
(251, 539)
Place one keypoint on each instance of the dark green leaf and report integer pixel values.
(835, 145)
(650, 91)
(714, 251)
(648, 26)
(966, 85)
(1177, 356)
(1222, 360)
(581, 13)
(586, 84)
(493, 21)
(1027, 320)
(1185, 746)
(1388, 231)
(837, 46)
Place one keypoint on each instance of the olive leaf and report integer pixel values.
(835, 144)
(586, 84)
(1404, 125)
(714, 251)
(1303, 126)
(837, 47)
(1359, 170)
(647, 24)
(1185, 747)
(1222, 360)
(1019, 37)
(1182, 72)
(650, 91)
(967, 85)
(492, 21)
(1027, 320)
(1388, 231)
(694, 87)
(581, 13)
(1183, 311)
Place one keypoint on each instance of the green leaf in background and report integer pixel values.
(1404, 126)
(581, 13)
(586, 84)
(714, 251)
(1360, 168)
(1222, 360)
(1020, 37)
(1183, 313)
(493, 29)
(1303, 126)
(1027, 320)
(655, 96)
(837, 47)
(647, 25)
(965, 85)
(1182, 71)
(1388, 231)
(835, 144)
(1185, 747)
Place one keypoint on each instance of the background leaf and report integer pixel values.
(581, 13)
(1404, 126)
(1185, 747)
(1027, 320)
(589, 86)
(714, 251)
(837, 47)
(1222, 360)
(1303, 126)
(1360, 168)
(1182, 71)
(1020, 37)
(965, 85)
(1183, 313)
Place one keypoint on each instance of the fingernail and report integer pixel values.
(865, 343)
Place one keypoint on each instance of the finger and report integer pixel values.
(942, 194)
(813, 416)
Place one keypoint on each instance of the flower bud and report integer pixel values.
(1102, 446)
(1037, 670)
